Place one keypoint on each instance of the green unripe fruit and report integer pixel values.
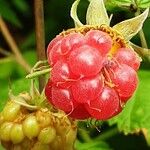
(31, 127)
(16, 134)
(5, 129)
(40, 146)
(1, 118)
(43, 119)
(16, 147)
(47, 135)
(11, 111)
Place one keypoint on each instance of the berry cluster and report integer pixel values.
(87, 78)
(23, 129)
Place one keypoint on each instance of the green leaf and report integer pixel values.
(21, 5)
(96, 13)
(6, 68)
(131, 27)
(120, 2)
(74, 15)
(94, 145)
(8, 13)
(136, 115)
(143, 3)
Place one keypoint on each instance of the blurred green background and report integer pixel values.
(19, 16)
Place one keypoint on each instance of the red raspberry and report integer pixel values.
(126, 80)
(90, 76)
(100, 40)
(106, 105)
(71, 41)
(85, 61)
(62, 99)
(128, 57)
(51, 46)
(87, 89)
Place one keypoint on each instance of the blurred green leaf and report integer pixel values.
(29, 41)
(6, 68)
(94, 145)
(21, 5)
(143, 3)
(136, 115)
(9, 14)
(1, 148)
(3, 95)
(30, 57)
(119, 2)
(20, 85)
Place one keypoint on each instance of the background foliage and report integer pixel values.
(135, 118)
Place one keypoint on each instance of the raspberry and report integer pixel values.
(62, 99)
(88, 57)
(71, 41)
(80, 112)
(125, 79)
(100, 40)
(87, 89)
(53, 43)
(128, 57)
(93, 75)
(105, 105)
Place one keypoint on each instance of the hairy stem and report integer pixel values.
(40, 36)
(13, 46)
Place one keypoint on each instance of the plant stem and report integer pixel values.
(4, 52)
(107, 134)
(13, 46)
(141, 33)
(84, 135)
(38, 73)
(40, 36)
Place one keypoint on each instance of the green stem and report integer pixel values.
(107, 134)
(84, 135)
(141, 33)
(38, 73)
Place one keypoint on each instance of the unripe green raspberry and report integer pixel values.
(31, 127)
(57, 144)
(47, 135)
(16, 147)
(40, 146)
(16, 134)
(5, 129)
(43, 119)
(1, 118)
(70, 138)
(11, 111)
(26, 144)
